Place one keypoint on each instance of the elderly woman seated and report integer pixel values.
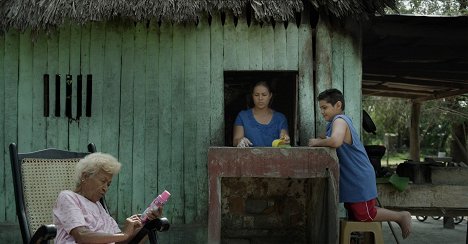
(78, 214)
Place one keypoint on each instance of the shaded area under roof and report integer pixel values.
(415, 57)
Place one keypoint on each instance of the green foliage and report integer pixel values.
(392, 115)
(432, 7)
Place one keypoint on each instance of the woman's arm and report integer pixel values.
(82, 234)
(237, 135)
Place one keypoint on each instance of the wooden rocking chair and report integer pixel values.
(38, 178)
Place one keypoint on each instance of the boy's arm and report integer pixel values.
(337, 137)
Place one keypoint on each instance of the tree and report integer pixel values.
(432, 7)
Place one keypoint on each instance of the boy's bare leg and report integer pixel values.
(403, 219)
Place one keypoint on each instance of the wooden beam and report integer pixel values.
(413, 80)
(420, 92)
(408, 69)
(442, 95)
(414, 131)
(387, 94)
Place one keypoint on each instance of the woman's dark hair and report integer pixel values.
(262, 83)
(332, 96)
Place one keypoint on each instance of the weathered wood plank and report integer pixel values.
(292, 50)
(75, 63)
(177, 147)
(255, 46)
(96, 67)
(268, 47)
(152, 112)
(203, 114)
(190, 121)
(139, 108)
(217, 81)
(324, 67)
(3, 144)
(337, 42)
(52, 70)
(111, 101)
(165, 120)
(280, 47)
(242, 44)
(84, 71)
(25, 92)
(231, 44)
(126, 138)
(12, 41)
(63, 70)
(306, 83)
(39, 69)
(353, 74)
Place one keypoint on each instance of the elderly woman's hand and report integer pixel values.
(132, 223)
(155, 213)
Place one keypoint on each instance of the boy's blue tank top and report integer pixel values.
(357, 177)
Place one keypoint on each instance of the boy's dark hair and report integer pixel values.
(332, 96)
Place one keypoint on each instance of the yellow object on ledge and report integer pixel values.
(277, 142)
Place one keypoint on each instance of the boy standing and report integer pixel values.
(358, 188)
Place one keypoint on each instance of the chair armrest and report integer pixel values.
(150, 228)
(159, 224)
(44, 234)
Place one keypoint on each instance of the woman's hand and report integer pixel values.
(132, 223)
(244, 142)
(286, 140)
(155, 213)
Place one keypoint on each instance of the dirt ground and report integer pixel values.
(428, 232)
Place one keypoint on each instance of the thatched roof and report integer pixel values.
(42, 14)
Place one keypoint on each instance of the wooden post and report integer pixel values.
(414, 131)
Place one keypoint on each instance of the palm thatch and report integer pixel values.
(41, 14)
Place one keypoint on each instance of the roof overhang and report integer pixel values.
(415, 57)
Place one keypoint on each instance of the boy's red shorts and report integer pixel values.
(362, 211)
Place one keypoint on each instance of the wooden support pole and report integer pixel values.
(414, 131)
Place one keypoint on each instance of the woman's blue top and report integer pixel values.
(357, 176)
(259, 134)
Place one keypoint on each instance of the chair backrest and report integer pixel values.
(38, 178)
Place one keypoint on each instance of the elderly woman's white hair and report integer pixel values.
(93, 163)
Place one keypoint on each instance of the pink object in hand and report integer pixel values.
(159, 201)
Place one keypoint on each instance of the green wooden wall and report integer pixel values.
(158, 100)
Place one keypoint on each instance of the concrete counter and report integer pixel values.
(313, 171)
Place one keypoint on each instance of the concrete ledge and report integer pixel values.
(428, 199)
(294, 162)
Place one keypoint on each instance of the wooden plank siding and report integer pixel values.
(157, 100)
(52, 70)
(306, 96)
(3, 143)
(152, 112)
(352, 73)
(11, 63)
(85, 70)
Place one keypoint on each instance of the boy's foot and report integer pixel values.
(405, 224)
